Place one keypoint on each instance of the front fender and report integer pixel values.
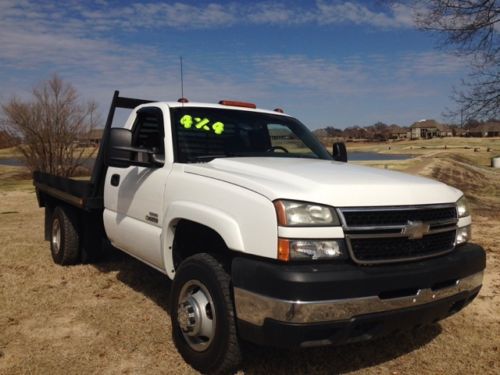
(211, 217)
(245, 220)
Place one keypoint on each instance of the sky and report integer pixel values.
(326, 62)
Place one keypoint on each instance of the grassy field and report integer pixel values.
(112, 317)
(479, 150)
(11, 152)
(14, 153)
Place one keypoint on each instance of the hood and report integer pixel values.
(326, 182)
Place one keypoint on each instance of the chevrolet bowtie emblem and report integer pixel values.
(415, 230)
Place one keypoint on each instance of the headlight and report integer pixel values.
(292, 213)
(464, 234)
(463, 207)
(311, 249)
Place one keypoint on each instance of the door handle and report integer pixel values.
(115, 180)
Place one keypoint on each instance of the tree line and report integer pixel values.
(383, 132)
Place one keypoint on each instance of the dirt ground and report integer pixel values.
(112, 317)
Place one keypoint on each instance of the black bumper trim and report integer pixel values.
(326, 281)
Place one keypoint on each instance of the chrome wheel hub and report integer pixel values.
(196, 315)
(187, 317)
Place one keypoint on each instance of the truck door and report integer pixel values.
(133, 196)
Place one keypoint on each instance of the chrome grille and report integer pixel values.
(382, 235)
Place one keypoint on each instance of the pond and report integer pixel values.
(363, 156)
(11, 162)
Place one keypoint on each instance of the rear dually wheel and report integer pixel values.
(64, 239)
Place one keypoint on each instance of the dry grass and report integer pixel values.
(481, 150)
(15, 179)
(113, 318)
(9, 152)
(13, 152)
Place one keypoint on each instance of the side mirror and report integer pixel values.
(121, 154)
(117, 154)
(339, 152)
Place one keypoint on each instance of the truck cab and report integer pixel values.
(267, 236)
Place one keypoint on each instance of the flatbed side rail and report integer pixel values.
(73, 192)
(61, 195)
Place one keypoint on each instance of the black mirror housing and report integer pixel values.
(117, 155)
(339, 152)
(121, 154)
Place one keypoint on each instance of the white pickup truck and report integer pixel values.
(267, 237)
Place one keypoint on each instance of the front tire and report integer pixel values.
(64, 239)
(202, 314)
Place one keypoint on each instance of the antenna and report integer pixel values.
(182, 99)
(182, 80)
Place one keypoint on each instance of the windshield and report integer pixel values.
(203, 134)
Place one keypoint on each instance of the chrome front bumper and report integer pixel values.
(256, 308)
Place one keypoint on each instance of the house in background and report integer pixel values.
(401, 133)
(488, 129)
(92, 139)
(460, 132)
(427, 129)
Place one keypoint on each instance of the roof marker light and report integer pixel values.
(235, 103)
(183, 100)
(279, 110)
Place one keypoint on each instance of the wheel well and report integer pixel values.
(193, 238)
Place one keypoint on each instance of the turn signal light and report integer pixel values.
(283, 249)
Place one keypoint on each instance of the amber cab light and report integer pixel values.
(279, 110)
(183, 100)
(235, 103)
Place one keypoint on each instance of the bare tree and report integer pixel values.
(470, 28)
(51, 127)
(7, 140)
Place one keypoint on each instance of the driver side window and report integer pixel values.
(149, 131)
